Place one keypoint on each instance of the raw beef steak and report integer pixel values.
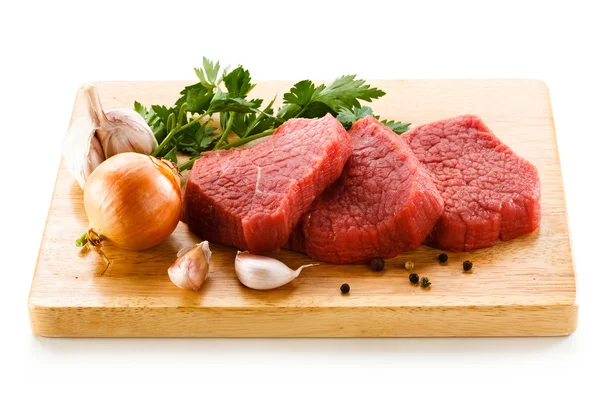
(384, 202)
(252, 199)
(489, 192)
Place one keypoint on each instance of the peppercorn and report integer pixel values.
(377, 264)
(345, 288)
(409, 265)
(425, 282)
(443, 257)
(467, 265)
(414, 278)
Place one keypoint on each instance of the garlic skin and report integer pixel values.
(264, 273)
(95, 157)
(120, 130)
(82, 152)
(190, 270)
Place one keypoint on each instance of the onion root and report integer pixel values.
(90, 240)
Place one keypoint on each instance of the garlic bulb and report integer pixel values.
(264, 273)
(99, 135)
(120, 130)
(191, 268)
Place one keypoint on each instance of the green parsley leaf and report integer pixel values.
(346, 90)
(310, 101)
(197, 97)
(183, 127)
(222, 102)
(158, 128)
(209, 76)
(238, 83)
(172, 155)
(251, 123)
(396, 126)
(303, 93)
(140, 109)
(348, 117)
(163, 112)
(197, 135)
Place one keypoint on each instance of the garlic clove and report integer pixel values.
(264, 273)
(119, 130)
(126, 131)
(190, 269)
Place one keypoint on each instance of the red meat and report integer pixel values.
(253, 198)
(384, 203)
(489, 192)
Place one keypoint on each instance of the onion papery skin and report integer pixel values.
(133, 200)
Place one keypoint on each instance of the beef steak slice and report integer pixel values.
(253, 198)
(489, 192)
(384, 202)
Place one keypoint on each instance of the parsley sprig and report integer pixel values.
(186, 125)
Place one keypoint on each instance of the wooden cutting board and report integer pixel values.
(525, 287)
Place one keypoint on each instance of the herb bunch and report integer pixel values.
(186, 125)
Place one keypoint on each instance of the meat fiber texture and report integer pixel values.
(489, 192)
(253, 198)
(384, 203)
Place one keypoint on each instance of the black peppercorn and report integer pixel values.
(467, 265)
(414, 278)
(377, 264)
(425, 282)
(443, 257)
(345, 288)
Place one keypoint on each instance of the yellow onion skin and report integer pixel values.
(133, 200)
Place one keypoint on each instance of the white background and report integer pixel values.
(49, 48)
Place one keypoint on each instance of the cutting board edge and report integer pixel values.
(420, 321)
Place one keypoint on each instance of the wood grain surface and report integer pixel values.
(525, 287)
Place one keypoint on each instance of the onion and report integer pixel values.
(133, 200)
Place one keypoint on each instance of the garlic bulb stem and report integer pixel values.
(94, 104)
